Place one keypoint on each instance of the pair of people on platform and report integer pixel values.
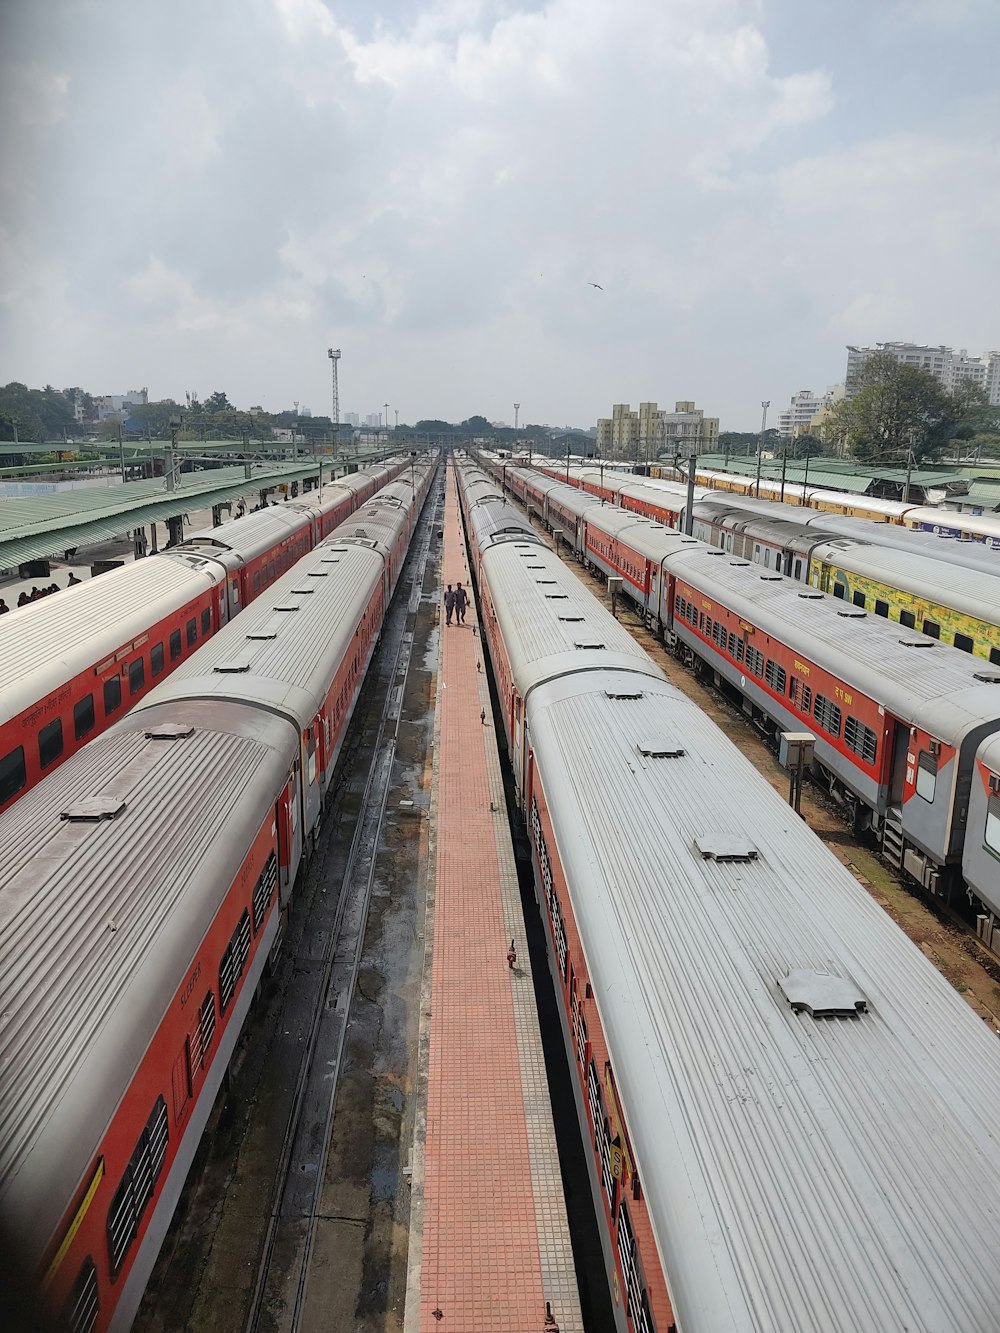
(456, 600)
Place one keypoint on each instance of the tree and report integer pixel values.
(896, 408)
(477, 426)
(217, 402)
(810, 446)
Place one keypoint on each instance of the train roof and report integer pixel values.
(251, 535)
(800, 1172)
(48, 642)
(988, 525)
(525, 583)
(917, 678)
(497, 520)
(968, 554)
(99, 921)
(277, 654)
(973, 591)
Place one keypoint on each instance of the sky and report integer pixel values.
(202, 196)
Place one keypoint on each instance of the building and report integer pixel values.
(374, 419)
(951, 368)
(652, 430)
(115, 405)
(806, 410)
(351, 419)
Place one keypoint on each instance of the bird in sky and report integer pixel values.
(597, 285)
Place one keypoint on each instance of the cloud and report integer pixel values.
(446, 178)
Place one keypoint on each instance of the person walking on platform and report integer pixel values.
(73, 580)
(4, 608)
(449, 604)
(461, 602)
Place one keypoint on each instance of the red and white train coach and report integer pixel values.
(777, 1144)
(73, 664)
(143, 886)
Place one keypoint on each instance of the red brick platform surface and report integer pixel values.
(489, 1241)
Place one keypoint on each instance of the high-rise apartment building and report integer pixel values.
(799, 416)
(944, 363)
(645, 434)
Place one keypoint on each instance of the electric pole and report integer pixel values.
(334, 354)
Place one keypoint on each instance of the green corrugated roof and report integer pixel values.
(42, 525)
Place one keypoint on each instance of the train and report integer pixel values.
(145, 886)
(71, 665)
(902, 721)
(954, 524)
(789, 1113)
(949, 589)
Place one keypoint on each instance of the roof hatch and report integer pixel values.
(572, 620)
(93, 809)
(169, 731)
(811, 596)
(656, 747)
(285, 606)
(822, 994)
(581, 641)
(624, 694)
(988, 677)
(259, 635)
(917, 643)
(725, 847)
(852, 613)
(231, 668)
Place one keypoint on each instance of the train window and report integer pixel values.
(636, 1301)
(234, 960)
(740, 647)
(908, 619)
(827, 715)
(807, 696)
(50, 743)
(256, 582)
(991, 836)
(156, 659)
(839, 591)
(926, 774)
(995, 656)
(12, 773)
(881, 608)
(775, 676)
(932, 629)
(858, 598)
(964, 642)
(860, 739)
(264, 891)
(201, 1038)
(112, 695)
(270, 570)
(82, 1308)
(136, 675)
(83, 716)
(137, 1185)
(191, 632)
(754, 661)
(206, 620)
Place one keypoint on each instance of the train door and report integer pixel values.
(518, 734)
(289, 832)
(897, 774)
(312, 790)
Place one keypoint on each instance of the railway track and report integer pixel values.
(279, 1293)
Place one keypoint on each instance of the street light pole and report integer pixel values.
(784, 465)
(765, 404)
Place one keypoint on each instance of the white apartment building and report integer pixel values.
(944, 363)
(797, 417)
(351, 419)
(117, 404)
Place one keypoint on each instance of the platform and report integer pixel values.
(489, 1242)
